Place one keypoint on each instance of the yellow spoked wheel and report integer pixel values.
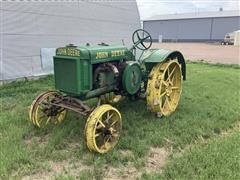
(103, 128)
(110, 98)
(164, 87)
(42, 112)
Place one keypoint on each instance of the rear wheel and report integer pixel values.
(164, 87)
(103, 128)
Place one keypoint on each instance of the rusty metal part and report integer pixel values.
(73, 104)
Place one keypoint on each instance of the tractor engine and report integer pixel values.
(106, 74)
(90, 71)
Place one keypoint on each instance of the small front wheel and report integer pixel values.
(42, 112)
(103, 128)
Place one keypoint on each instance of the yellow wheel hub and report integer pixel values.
(42, 112)
(164, 87)
(103, 128)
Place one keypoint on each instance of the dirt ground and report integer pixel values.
(213, 53)
(154, 163)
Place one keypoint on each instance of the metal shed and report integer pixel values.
(193, 27)
(31, 30)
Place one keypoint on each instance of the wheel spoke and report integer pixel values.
(103, 146)
(175, 87)
(103, 125)
(170, 74)
(173, 78)
(164, 82)
(107, 139)
(168, 103)
(55, 119)
(49, 118)
(99, 126)
(113, 123)
(98, 134)
(59, 117)
(105, 143)
(109, 116)
(163, 94)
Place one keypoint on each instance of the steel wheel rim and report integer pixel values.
(170, 88)
(103, 129)
(41, 108)
(164, 87)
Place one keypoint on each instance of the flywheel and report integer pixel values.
(103, 128)
(164, 87)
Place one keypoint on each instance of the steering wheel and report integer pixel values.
(139, 37)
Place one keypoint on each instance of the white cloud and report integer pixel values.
(149, 8)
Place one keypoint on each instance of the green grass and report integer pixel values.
(209, 105)
(217, 159)
(235, 66)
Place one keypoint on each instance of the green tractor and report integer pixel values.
(109, 73)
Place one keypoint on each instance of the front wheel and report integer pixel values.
(42, 112)
(103, 128)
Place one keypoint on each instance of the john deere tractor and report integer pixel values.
(109, 73)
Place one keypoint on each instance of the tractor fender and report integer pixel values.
(153, 56)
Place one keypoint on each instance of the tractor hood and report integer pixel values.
(95, 53)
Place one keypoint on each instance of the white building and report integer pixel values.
(29, 30)
(193, 27)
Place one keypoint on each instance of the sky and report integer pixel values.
(148, 8)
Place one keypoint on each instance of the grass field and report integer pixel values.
(199, 141)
